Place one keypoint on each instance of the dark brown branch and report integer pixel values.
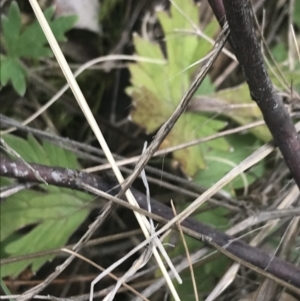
(248, 52)
(219, 11)
(284, 272)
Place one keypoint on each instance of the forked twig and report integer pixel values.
(12, 152)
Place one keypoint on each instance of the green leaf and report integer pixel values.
(206, 87)
(157, 89)
(11, 28)
(28, 42)
(54, 213)
(190, 127)
(33, 35)
(221, 162)
(12, 71)
(279, 52)
(248, 111)
(296, 11)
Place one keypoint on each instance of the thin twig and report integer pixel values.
(90, 243)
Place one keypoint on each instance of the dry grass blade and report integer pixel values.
(184, 264)
(187, 255)
(6, 192)
(226, 280)
(145, 182)
(102, 269)
(230, 275)
(140, 262)
(137, 265)
(171, 149)
(295, 41)
(143, 222)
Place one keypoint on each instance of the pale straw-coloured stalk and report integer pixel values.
(143, 222)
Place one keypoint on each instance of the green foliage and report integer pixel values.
(53, 213)
(244, 115)
(292, 77)
(29, 42)
(155, 98)
(206, 278)
(221, 162)
(296, 11)
(107, 7)
(279, 52)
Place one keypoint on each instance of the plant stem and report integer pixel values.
(248, 52)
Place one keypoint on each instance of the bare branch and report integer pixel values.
(284, 272)
(248, 52)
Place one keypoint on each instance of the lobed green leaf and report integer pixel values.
(28, 42)
(52, 213)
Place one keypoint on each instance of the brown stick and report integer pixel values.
(248, 52)
(282, 271)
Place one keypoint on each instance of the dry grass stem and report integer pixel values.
(143, 222)
(187, 255)
(231, 273)
(168, 150)
(102, 269)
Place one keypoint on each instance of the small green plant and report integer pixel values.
(27, 42)
(157, 89)
(52, 213)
